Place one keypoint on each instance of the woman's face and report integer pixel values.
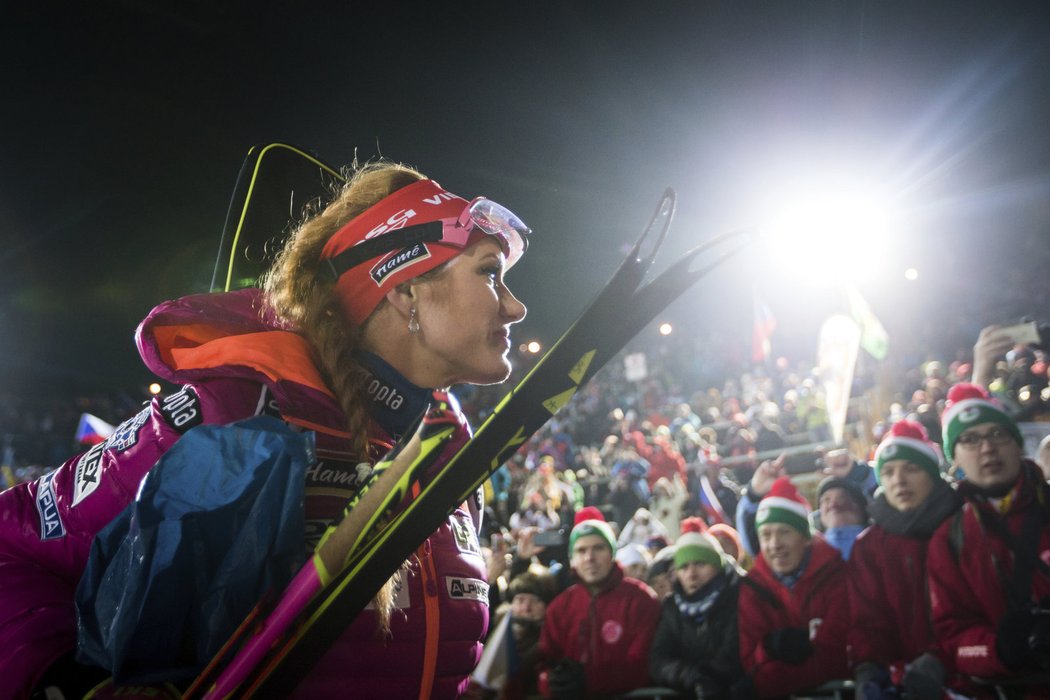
(465, 315)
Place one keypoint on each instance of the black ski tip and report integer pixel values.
(660, 223)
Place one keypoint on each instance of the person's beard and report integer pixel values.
(525, 630)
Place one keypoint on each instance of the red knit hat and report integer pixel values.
(969, 405)
(907, 439)
(587, 513)
(693, 524)
(784, 504)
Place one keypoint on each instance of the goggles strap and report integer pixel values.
(429, 232)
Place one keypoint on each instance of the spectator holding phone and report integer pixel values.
(992, 344)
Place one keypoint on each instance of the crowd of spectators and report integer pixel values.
(659, 532)
(705, 496)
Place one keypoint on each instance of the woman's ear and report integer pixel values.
(403, 298)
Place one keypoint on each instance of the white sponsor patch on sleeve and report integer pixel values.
(467, 589)
(463, 533)
(51, 527)
(88, 473)
(127, 433)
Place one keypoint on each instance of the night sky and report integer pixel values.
(125, 124)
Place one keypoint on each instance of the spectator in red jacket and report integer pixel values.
(988, 564)
(891, 643)
(597, 632)
(794, 607)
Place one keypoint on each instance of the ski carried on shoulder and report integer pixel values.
(620, 310)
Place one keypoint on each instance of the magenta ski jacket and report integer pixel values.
(232, 362)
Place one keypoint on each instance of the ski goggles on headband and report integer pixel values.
(409, 233)
(399, 231)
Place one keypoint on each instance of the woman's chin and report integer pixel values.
(496, 374)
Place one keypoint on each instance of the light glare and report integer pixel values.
(829, 237)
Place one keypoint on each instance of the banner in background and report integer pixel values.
(836, 357)
(634, 367)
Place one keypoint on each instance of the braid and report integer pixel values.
(300, 292)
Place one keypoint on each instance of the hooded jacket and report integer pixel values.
(232, 362)
(818, 602)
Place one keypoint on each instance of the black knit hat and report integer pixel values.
(850, 487)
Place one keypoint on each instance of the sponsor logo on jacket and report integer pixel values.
(182, 410)
(612, 631)
(463, 533)
(814, 625)
(467, 589)
(51, 527)
(341, 474)
(88, 473)
(385, 394)
(127, 433)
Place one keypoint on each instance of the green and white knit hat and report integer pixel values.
(592, 527)
(907, 440)
(784, 504)
(692, 546)
(969, 405)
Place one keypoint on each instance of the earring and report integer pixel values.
(413, 324)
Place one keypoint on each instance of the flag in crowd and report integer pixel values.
(712, 506)
(92, 430)
(763, 329)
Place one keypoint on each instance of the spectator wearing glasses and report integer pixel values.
(988, 565)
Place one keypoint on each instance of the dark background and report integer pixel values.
(124, 125)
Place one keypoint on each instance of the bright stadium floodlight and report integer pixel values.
(828, 235)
